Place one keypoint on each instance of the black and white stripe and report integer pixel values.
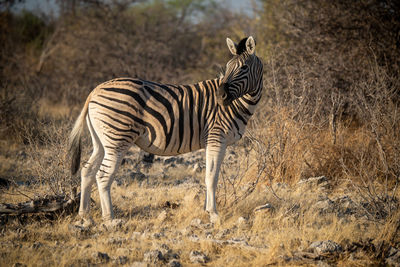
(166, 119)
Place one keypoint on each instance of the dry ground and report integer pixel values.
(164, 222)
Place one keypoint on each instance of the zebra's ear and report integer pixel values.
(231, 46)
(250, 45)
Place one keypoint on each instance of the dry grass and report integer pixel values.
(263, 168)
(268, 236)
(331, 108)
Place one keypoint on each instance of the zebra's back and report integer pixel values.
(160, 119)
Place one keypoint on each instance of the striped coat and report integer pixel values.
(166, 119)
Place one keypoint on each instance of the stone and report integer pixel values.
(196, 222)
(120, 260)
(242, 221)
(162, 216)
(116, 240)
(222, 234)
(263, 207)
(139, 264)
(327, 246)
(4, 183)
(136, 235)
(194, 238)
(153, 256)
(137, 176)
(113, 225)
(169, 160)
(324, 206)
(78, 231)
(123, 251)
(198, 257)
(393, 257)
(164, 249)
(100, 257)
(321, 182)
(174, 263)
(197, 168)
(345, 205)
(37, 245)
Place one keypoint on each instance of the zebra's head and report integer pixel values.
(243, 74)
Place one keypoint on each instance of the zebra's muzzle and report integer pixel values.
(223, 97)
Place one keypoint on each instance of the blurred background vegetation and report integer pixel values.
(331, 88)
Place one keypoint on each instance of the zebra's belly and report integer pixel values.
(158, 148)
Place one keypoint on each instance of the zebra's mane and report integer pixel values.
(241, 47)
(221, 73)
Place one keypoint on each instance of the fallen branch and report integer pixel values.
(47, 204)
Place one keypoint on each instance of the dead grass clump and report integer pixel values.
(50, 166)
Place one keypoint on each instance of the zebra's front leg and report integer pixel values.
(214, 155)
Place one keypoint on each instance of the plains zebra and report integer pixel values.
(166, 119)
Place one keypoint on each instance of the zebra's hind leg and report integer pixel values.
(104, 177)
(214, 156)
(88, 174)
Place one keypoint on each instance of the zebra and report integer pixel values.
(166, 119)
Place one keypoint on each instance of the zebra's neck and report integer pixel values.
(245, 104)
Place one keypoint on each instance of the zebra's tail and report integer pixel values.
(74, 145)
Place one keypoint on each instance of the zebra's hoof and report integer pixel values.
(113, 224)
(85, 222)
(214, 218)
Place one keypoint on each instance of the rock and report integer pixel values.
(137, 176)
(345, 206)
(321, 182)
(327, 246)
(139, 264)
(196, 222)
(100, 257)
(167, 253)
(198, 257)
(37, 245)
(194, 238)
(197, 168)
(157, 235)
(279, 186)
(113, 225)
(169, 160)
(121, 260)
(4, 183)
(393, 257)
(153, 257)
(162, 216)
(78, 230)
(263, 207)
(324, 206)
(187, 181)
(323, 264)
(223, 233)
(164, 249)
(242, 221)
(174, 263)
(148, 158)
(342, 206)
(136, 235)
(123, 251)
(170, 205)
(116, 240)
